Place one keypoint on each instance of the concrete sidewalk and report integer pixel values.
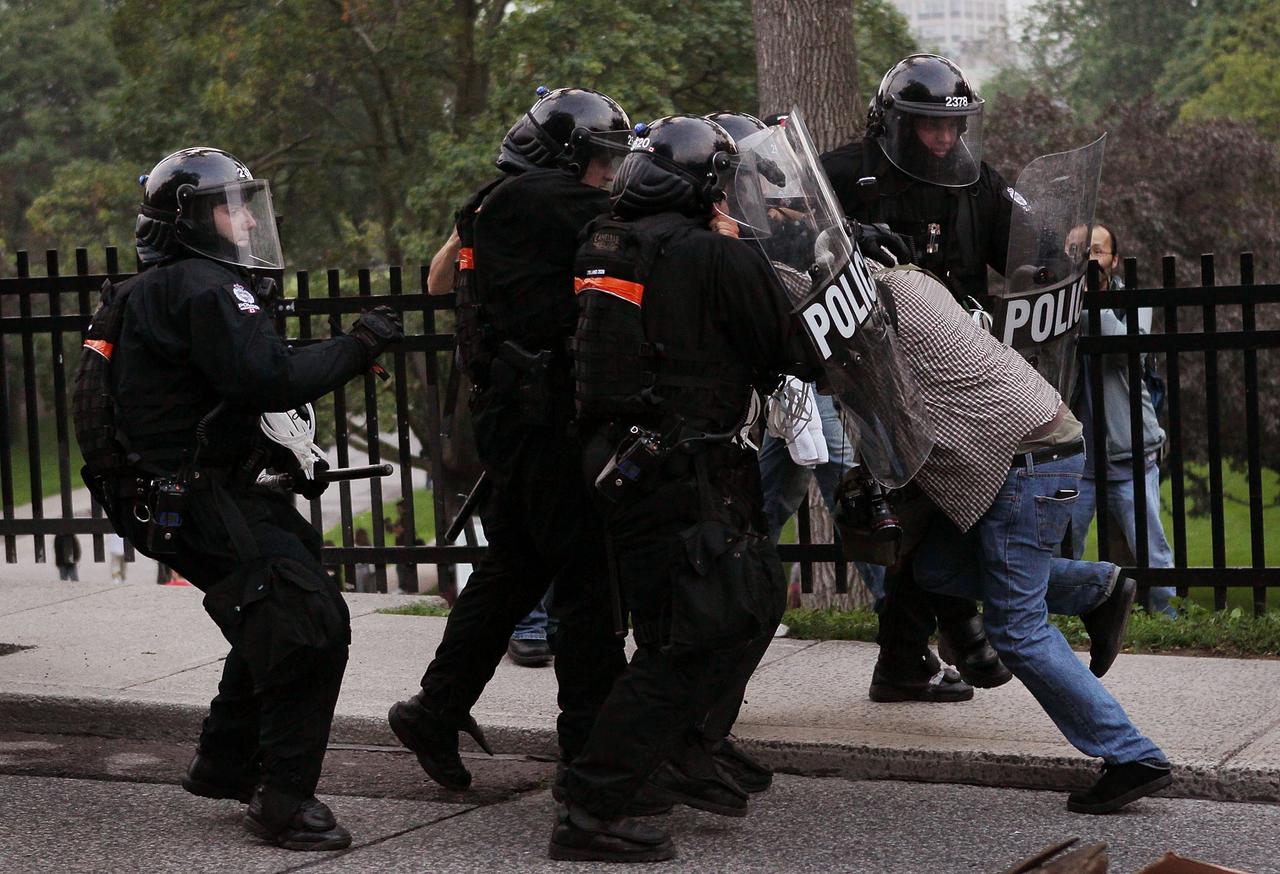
(140, 660)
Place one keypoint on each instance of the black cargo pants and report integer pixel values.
(705, 590)
(541, 529)
(257, 560)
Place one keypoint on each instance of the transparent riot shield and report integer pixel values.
(784, 204)
(1039, 312)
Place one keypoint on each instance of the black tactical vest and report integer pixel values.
(474, 348)
(942, 222)
(93, 409)
(623, 375)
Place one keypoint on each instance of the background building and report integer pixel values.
(973, 33)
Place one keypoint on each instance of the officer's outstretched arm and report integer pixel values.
(237, 348)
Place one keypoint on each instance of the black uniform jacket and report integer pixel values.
(526, 236)
(973, 221)
(194, 335)
(715, 296)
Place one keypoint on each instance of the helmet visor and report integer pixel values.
(786, 217)
(233, 222)
(941, 147)
(748, 183)
(610, 147)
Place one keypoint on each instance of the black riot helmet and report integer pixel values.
(205, 201)
(567, 128)
(738, 125)
(680, 163)
(928, 121)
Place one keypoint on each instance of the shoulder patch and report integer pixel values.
(244, 299)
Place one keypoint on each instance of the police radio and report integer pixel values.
(637, 458)
(167, 505)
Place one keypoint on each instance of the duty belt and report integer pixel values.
(1044, 456)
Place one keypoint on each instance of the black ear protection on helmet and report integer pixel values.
(712, 191)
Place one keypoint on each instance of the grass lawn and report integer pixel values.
(423, 517)
(1235, 487)
(49, 483)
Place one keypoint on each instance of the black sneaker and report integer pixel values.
(434, 740)
(580, 837)
(529, 653)
(312, 827)
(1107, 623)
(714, 794)
(749, 773)
(936, 683)
(1120, 785)
(208, 779)
(965, 645)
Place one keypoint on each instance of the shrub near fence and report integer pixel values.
(1223, 408)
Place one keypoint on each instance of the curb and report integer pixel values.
(142, 720)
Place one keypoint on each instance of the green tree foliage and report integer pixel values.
(1091, 53)
(372, 118)
(1229, 70)
(883, 36)
(85, 201)
(57, 62)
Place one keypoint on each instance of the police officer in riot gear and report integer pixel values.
(522, 234)
(918, 169)
(197, 361)
(678, 326)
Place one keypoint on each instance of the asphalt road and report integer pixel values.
(85, 804)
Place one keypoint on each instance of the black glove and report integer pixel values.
(376, 330)
(311, 488)
(877, 242)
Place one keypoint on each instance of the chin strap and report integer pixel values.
(295, 430)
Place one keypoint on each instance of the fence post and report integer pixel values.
(1257, 544)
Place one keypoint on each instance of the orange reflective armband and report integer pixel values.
(621, 288)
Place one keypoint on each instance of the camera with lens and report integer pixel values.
(168, 502)
(638, 457)
(864, 505)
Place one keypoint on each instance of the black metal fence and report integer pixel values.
(1209, 353)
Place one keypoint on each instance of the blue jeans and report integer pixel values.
(785, 483)
(1007, 559)
(535, 625)
(1122, 515)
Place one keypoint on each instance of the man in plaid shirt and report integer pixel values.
(1005, 472)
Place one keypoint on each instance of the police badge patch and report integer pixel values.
(245, 299)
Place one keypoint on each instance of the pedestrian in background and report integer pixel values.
(1122, 513)
(115, 546)
(66, 555)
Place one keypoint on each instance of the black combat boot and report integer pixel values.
(648, 800)
(965, 645)
(692, 778)
(312, 826)
(434, 740)
(923, 678)
(747, 771)
(580, 837)
(209, 778)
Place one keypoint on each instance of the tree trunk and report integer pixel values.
(824, 575)
(806, 57)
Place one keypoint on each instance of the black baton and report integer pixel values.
(477, 494)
